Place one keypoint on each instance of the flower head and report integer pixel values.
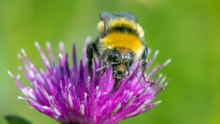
(70, 95)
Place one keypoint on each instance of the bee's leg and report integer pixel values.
(95, 48)
(144, 61)
(90, 55)
(106, 59)
(116, 83)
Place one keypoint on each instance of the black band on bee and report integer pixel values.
(107, 17)
(124, 30)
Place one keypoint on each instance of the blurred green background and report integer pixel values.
(188, 31)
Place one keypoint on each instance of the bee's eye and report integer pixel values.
(127, 56)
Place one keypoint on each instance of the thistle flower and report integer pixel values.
(71, 96)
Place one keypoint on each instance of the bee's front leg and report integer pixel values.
(144, 62)
(106, 58)
(90, 55)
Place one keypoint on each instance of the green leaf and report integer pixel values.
(13, 119)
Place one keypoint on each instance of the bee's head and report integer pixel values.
(122, 61)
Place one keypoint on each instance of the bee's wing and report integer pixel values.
(126, 15)
(105, 16)
(108, 16)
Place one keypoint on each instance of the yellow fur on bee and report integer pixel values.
(122, 41)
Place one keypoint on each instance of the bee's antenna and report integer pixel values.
(105, 66)
(139, 79)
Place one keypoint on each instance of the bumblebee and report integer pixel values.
(120, 43)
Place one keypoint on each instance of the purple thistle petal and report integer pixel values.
(69, 95)
(50, 53)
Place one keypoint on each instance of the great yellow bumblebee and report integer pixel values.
(120, 43)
